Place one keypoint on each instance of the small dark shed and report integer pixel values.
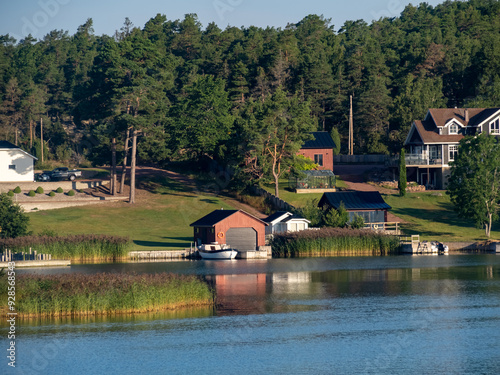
(368, 204)
(237, 228)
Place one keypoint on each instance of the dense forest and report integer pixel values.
(245, 97)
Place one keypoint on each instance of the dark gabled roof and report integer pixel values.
(213, 218)
(7, 144)
(321, 140)
(217, 216)
(275, 216)
(355, 200)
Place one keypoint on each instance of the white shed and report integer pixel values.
(16, 165)
(282, 221)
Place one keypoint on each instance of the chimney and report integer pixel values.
(466, 116)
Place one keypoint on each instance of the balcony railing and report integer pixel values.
(422, 159)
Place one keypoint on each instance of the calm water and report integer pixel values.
(375, 315)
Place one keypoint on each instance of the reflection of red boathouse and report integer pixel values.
(241, 294)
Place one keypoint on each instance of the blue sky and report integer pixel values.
(22, 17)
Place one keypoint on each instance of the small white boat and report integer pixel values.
(216, 251)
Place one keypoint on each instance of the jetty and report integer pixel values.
(264, 252)
(413, 245)
(31, 259)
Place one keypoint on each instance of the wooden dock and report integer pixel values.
(264, 252)
(154, 255)
(413, 245)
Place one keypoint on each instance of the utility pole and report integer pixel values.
(351, 129)
(41, 136)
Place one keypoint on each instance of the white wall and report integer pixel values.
(23, 166)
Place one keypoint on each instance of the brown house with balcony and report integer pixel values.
(433, 143)
(320, 150)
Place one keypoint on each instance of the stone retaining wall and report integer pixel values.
(52, 185)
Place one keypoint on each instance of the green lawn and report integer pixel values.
(297, 200)
(431, 215)
(157, 223)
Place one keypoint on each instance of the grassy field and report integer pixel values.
(431, 215)
(158, 221)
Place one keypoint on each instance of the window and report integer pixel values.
(318, 159)
(495, 127)
(453, 152)
(453, 129)
(13, 166)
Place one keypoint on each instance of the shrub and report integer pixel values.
(39, 190)
(71, 193)
(17, 190)
(52, 194)
(10, 193)
(31, 193)
(13, 221)
(358, 222)
(59, 190)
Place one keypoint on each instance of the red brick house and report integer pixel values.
(320, 150)
(236, 228)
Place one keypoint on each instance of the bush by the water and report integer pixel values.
(39, 190)
(329, 241)
(79, 294)
(59, 190)
(76, 247)
(31, 193)
(71, 193)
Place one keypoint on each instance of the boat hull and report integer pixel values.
(218, 254)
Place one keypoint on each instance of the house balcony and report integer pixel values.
(422, 159)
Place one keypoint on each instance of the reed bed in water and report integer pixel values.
(104, 294)
(333, 241)
(76, 247)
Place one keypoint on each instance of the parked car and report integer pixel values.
(62, 173)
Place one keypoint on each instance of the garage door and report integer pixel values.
(242, 238)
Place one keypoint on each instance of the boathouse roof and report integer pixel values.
(355, 200)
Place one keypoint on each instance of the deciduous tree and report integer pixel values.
(474, 185)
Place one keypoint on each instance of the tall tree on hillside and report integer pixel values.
(201, 119)
(474, 186)
(126, 91)
(280, 129)
(10, 111)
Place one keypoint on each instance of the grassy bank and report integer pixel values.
(431, 215)
(158, 220)
(333, 241)
(104, 294)
(77, 247)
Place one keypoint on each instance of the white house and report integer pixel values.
(282, 221)
(16, 165)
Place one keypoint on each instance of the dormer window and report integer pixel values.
(495, 127)
(453, 129)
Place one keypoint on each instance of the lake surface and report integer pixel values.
(340, 315)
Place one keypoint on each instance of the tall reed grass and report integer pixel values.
(82, 247)
(333, 241)
(105, 294)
